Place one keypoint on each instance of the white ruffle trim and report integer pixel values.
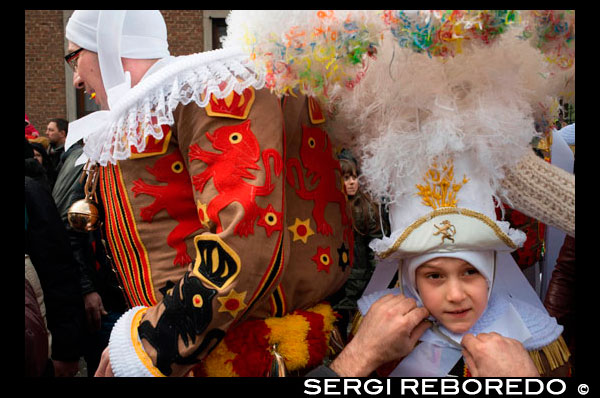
(187, 78)
(123, 357)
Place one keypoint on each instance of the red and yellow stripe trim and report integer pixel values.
(129, 253)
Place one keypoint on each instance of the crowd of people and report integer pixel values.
(175, 260)
(72, 296)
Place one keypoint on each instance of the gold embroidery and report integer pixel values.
(232, 303)
(301, 230)
(464, 212)
(217, 264)
(447, 230)
(137, 345)
(440, 189)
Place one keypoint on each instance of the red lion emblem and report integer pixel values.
(240, 151)
(177, 198)
(317, 158)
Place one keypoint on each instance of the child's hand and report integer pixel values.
(388, 332)
(493, 355)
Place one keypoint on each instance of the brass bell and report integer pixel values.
(83, 215)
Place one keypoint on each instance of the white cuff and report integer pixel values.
(127, 355)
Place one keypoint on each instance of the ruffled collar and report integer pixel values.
(139, 114)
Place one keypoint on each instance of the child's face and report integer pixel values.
(453, 291)
(351, 184)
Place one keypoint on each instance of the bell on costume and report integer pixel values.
(83, 215)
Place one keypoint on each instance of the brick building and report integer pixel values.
(49, 90)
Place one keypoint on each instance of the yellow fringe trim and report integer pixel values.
(289, 333)
(556, 353)
(328, 318)
(219, 362)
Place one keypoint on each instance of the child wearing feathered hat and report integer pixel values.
(446, 240)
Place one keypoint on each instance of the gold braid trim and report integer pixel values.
(444, 211)
(356, 321)
(556, 353)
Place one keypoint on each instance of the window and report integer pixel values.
(215, 27)
(219, 29)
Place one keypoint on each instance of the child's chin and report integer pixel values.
(458, 329)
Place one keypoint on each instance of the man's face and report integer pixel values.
(87, 76)
(453, 291)
(54, 135)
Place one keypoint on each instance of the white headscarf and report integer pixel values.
(143, 36)
(116, 34)
(483, 261)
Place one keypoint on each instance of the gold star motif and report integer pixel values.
(301, 230)
(232, 303)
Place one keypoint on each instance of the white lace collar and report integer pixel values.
(109, 135)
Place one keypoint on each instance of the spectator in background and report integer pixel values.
(47, 245)
(67, 180)
(33, 168)
(30, 130)
(560, 297)
(36, 336)
(40, 154)
(103, 300)
(367, 225)
(57, 134)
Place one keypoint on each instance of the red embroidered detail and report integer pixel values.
(318, 160)
(323, 259)
(270, 219)
(153, 147)
(240, 151)
(234, 105)
(314, 111)
(177, 198)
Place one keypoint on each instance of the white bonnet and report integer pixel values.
(144, 34)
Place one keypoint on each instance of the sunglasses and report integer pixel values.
(71, 58)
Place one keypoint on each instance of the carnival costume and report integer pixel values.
(224, 205)
(440, 108)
